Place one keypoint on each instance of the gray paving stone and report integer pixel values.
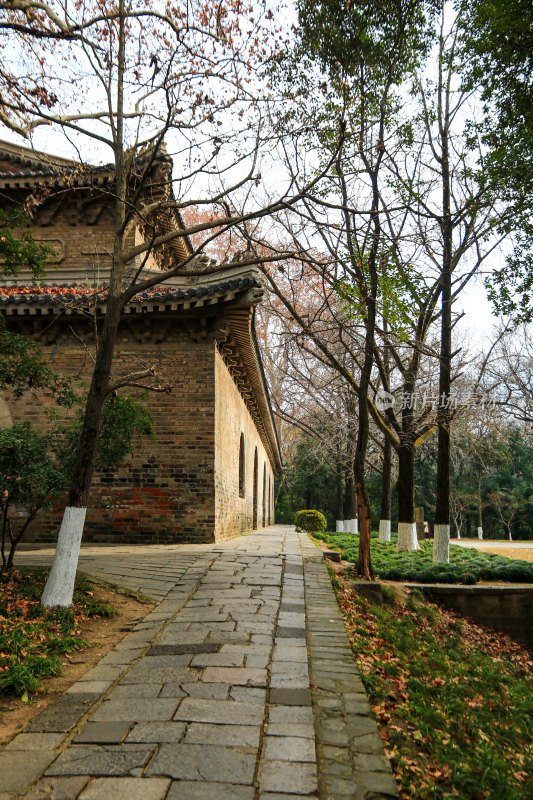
(103, 760)
(215, 691)
(102, 733)
(334, 786)
(143, 673)
(361, 726)
(227, 735)
(293, 671)
(288, 619)
(181, 649)
(121, 656)
(196, 790)
(95, 687)
(137, 690)
(208, 614)
(291, 729)
(58, 788)
(19, 768)
(278, 796)
(204, 763)
(293, 655)
(286, 632)
(35, 741)
(367, 762)
(135, 709)
(235, 676)
(282, 776)
(370, 743)
(257, 662)
(158, 732)
(167, 661)
(218, 660)
(220, 711)
(62, 714)
(289, 605)
(104, 673)
(126, 789)
(214, 628)
(294, 569)
(378, 784)
(262, 638)
(291, 697)
(247, 694)
(289, 748)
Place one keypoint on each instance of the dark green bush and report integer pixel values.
(310, 521)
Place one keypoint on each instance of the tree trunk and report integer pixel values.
(59, 587)
(353, 511)
(407, 538)
(441, 544)
(348, 495)
(339, 527)
(479, 509)
(364, 564)
(385, 514)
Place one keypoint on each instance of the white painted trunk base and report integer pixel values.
(407, 538)
(480, 533)
(351, 526)
(60, 584)
(458, 535)
(384, 530)
(340, 526)
(441, 544)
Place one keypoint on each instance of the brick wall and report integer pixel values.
(165, 493)
(234, 514)
(81, 229)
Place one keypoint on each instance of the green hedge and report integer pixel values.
(310, 521)
(467, 566)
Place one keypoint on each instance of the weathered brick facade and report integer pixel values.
(232, 418)
(198, 335)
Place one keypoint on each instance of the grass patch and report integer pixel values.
(467, 566)
(32, 639)
(453, 700)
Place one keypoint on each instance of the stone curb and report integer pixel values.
(350, 754)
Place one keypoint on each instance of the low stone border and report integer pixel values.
(508, 609)
(350, 755)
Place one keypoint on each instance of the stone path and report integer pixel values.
(239, 685)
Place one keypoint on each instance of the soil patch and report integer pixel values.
(102, 632)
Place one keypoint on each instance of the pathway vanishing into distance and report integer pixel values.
(239, 685)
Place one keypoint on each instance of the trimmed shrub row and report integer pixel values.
(467, 566)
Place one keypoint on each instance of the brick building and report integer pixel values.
(209, 473)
